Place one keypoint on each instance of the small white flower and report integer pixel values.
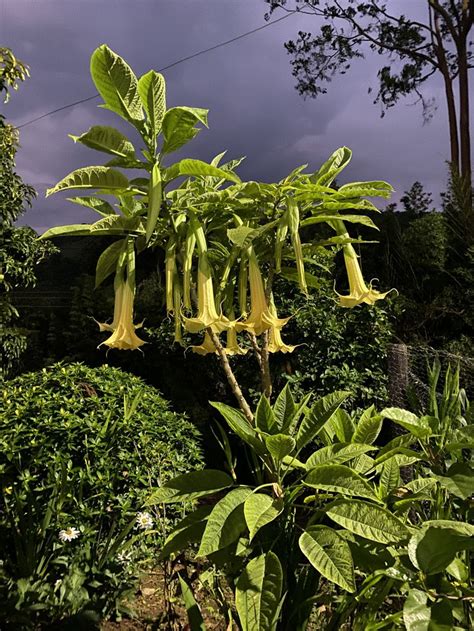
(68, 534)
(124, 557)
(144, 521)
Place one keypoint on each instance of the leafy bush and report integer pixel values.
(80, 448)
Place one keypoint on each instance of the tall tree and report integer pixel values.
(439, 44)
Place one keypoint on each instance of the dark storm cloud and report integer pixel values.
(247, 86)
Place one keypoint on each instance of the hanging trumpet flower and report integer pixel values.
(260, 319)
(275, 342)
(123, 329)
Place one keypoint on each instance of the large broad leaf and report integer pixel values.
(390, 475)
(190, 486)
(195, 619)
(362, 219)
(337, 454)
(459, 480)
(419, 616)
(332, 167)
(200, 168)
(460, 527)
(330, 554)
(432, 549)
(279, 446)
(104, 178)
(116, 83)
(117, 224)
(226, 522)
(368, 520)
(152, 91)
(284, 408)
(260, 510)
(367, 427)
(108, 140)
(73, 230)
(320, 413)
(155, 196)
(239, 424)
(412, 423)
(258, 593)
(107, 261)
(264, 417)
(98, 205)
(338, 478)
(377, 188)
(188, 531)
(291, 274)
(178, 126)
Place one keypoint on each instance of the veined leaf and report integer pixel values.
(279, 446)
(188, 531)
(337, 454)
(408, 420)
(264, 417)
(432, 549)
(459, 480)
(338, 478)
(320, 413)
(73, 230)
(330, 554)
(116, 83)
(99, 205)
(390, 476)
(225, 523)
(260, 510)
(284, 408)
(178, 126)
(332, 167)
(117, 224)
(190, 486)
(152, 91)
(366, 189)
(368, 520)
(243, 236)
(258, 593)
(368, 427)
(108, 140)
(200, 168)
(104, 178)
(239, 424)
(196, 622)
(362, 219)
(107, 261)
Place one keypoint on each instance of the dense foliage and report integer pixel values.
(80, 448)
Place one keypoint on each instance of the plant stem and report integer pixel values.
(243, 405)
(266, 375)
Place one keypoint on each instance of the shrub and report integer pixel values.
(80, 448)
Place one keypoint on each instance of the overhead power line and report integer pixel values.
(175, 63)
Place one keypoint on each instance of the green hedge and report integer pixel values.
(80, 447)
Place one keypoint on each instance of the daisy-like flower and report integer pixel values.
(68, 534)
(144, 521)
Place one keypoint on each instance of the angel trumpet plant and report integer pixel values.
(275, 342)
(261, 318)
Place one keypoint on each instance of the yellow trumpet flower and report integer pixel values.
(207, 311)
(260, 318)
(359, 292)
(275, 342)
(206, 346)
(232, 347)
(123, 330)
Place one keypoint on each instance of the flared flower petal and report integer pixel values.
(206, 346)
(123, 329)
(276, 344)
(232, 346)
(359, 292)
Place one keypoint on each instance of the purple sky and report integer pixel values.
(247, 86)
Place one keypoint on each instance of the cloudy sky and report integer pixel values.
(247, 86)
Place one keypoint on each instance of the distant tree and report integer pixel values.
(416, 200)
(438, 44)
(19, 250)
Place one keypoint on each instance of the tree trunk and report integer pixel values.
(464, 123)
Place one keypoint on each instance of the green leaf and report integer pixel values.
(332, 167)
(432, 549)
(155, 194)
(196, 622)
(330, 554)
(377, 188)
(368, 520)
(284, 408)
(368, 427)
(99, 205)
(104, 178)
(190, 486)
(225, 523)
(243, 236)
(319, 415)
(338, 478)
(341, 425)
(264, 417)
(460, 527)
(418, 616)
(108, 140)
(152, 91)
(279, 446)
(407, 420)
(390, 476)
(73, 230)
(178, 126)
(337, 454)
(291, 274)
(189, 530)
(107, 261)
(117, 224)
(200, 168)
(459, 480)
(116, 83)
(260, 510)
(258, 593)
(239, 424)
(330, 205)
